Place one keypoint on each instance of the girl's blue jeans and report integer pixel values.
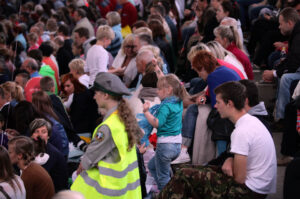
(160, 165)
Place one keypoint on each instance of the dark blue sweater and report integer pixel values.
(221, 75)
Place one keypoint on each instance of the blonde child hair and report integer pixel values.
(173, 81)
(105, 31)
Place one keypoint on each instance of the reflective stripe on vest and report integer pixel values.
(106, 191)
(118, 174)
(112, 180)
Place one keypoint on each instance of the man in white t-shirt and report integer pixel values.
(254, 160)
(249, 173)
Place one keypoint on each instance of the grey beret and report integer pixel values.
(110, 84)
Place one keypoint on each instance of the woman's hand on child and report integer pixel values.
(146, 106)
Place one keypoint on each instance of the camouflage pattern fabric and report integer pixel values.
(204, 182)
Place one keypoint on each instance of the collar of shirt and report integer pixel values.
(109, 112)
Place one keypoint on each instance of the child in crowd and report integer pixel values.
(168, 121)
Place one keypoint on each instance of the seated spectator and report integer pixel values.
(209, 70)
(77, 70)
(12, 186)
(47, 85)
(47, 155)
(81, 20)
(47, 51)
(37, 181)
(125, 60)
(114, 21)
(228, 11)
(80, 104)
(228, 37)
(64, 54)
(12, 95)
(227, 58)
(253, 106)
(21, 79)
(128, 13)
(32, 41)
(82, 37)
(159, 38)
(158, 56)
(249, 173)
(287, 70)
(42, 103)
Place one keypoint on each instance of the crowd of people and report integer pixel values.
(98, 99)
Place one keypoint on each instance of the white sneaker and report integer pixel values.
(182, 158)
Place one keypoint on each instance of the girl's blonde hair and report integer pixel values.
(230, 33)
(172, 81)
(13, 91)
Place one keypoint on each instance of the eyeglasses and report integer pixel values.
(130, 46)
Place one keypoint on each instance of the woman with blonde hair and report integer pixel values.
(125, 60)
(13, 93)
(228, 37)
(225, 56)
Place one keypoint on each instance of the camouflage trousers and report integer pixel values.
(205, 182)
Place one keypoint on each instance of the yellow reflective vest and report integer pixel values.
(112, 180)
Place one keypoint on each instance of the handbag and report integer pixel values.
(221, 127)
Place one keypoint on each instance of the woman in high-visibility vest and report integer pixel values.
(109, 167)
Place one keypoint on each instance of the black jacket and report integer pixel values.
(292, 62)
(84, 112)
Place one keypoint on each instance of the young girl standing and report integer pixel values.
(168, 121)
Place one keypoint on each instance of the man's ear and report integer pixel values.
(230, 103)
(20, 156)
(106, 96)
(247, 102)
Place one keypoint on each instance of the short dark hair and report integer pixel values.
(81, 12)
(38, 123)
(160, 9)
(24, 75)
(234, 91)
(290, 14)
(251, 92)
(64, 29)
(36, 54)
(83, 32)
(47, 83)
(46, 49)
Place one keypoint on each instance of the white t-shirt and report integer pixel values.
(96, 61)
(18, 193)
(251, 138)
(84, 80)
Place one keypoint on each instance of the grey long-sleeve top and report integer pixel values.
(102, 147)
